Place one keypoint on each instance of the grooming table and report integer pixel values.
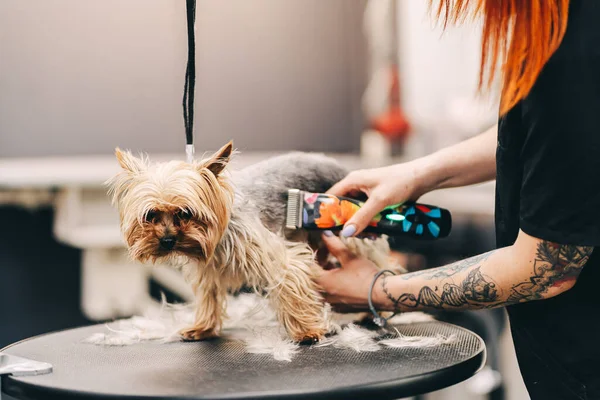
(222, 369)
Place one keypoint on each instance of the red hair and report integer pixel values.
(522, 34)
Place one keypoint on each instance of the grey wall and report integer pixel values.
(81, 77)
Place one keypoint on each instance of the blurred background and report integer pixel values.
(371, 82)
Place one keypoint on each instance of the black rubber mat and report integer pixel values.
(221, 369)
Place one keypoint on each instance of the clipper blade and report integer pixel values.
(293, 219)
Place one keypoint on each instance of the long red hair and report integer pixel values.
(521, 34)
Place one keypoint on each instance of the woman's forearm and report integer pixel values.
(496, 279)
(470, 162)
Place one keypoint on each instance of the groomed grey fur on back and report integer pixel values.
(263, 186)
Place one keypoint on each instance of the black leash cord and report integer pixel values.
(190, 76)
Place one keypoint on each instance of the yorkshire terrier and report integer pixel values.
(230, 232)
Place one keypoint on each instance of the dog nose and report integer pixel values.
(167, 243)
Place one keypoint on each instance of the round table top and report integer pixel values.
(222, 369)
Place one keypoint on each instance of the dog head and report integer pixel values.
(172, 209)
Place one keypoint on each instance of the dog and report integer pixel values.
(229, 231)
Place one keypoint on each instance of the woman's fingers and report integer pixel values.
(336, 247)
(351, 185)
(363, 217)
(355, 183)
(348, 285)
(342, 188)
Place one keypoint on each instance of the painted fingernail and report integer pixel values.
(328, 233)
(348, 231)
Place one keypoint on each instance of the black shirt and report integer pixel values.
(548, 185)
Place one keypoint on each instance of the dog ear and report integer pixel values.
(218, 161)
(128, 162)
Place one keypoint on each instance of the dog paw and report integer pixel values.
(310, 337)
(195, 334)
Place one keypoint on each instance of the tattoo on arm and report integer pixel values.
(553, 266)
(451, 269)
(475, 288)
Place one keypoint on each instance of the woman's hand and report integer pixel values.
(347, 288)
(466, 163)
(383, 186)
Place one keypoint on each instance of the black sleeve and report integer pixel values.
(560, 193)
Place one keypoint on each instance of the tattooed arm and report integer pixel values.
(531, 269)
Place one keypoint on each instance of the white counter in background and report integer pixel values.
(90, 172)
(113, 286)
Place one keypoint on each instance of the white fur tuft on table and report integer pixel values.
(251, 321)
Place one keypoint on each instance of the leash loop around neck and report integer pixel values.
(190, 81)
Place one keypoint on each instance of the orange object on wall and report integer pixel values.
(393, 124)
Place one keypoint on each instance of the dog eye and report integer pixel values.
(150, 216)
(184, 214)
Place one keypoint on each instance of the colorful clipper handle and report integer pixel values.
(419, 221)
